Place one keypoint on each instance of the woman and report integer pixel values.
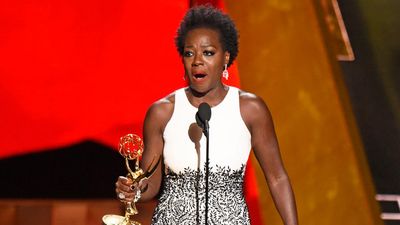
(207, 41)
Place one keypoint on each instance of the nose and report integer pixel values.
(197, 59)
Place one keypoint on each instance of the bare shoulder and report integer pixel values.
(164, 104)
(253, 108)
(161, 111)
(252, 103)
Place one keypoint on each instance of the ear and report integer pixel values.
(227, 55)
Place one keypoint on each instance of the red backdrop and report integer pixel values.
(73, 70)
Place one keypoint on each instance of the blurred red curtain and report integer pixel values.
(74, 70)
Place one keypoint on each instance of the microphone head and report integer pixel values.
(204, 112)
(198, 121)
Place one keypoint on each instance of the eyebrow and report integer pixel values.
(209, 45)
(203, 46)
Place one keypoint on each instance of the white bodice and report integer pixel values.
(229, 142)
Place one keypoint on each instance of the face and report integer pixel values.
(204, 59)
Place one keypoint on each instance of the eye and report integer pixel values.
(208, 53)
(187, 53)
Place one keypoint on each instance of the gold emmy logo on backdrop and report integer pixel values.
(131, 148)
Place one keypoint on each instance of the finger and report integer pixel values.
(120, 185)
(125, 180)
(128, 196)
(142, 185)
(124, 189)
(125, 197)
(134, 186)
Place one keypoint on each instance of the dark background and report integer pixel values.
(373, 82)
(86, 170)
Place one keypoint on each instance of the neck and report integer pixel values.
(213, 96)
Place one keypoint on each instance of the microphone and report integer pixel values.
(203, 115)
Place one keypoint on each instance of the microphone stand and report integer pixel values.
(206, 133)
(202, 118)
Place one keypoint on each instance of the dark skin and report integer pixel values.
(204, 60)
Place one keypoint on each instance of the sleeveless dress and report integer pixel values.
(182, 197)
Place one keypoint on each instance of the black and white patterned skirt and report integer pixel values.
(182, 199)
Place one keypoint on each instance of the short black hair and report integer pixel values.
(206, 16)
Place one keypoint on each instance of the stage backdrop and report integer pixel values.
(287, 57)
(75, 70)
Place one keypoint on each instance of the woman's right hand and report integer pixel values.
(126, 189)
(123, 189)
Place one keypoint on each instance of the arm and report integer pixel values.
(258, 119)
(155, 121)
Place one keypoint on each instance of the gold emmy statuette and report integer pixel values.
(131, 148)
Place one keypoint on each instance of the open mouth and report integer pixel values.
(199, 75)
